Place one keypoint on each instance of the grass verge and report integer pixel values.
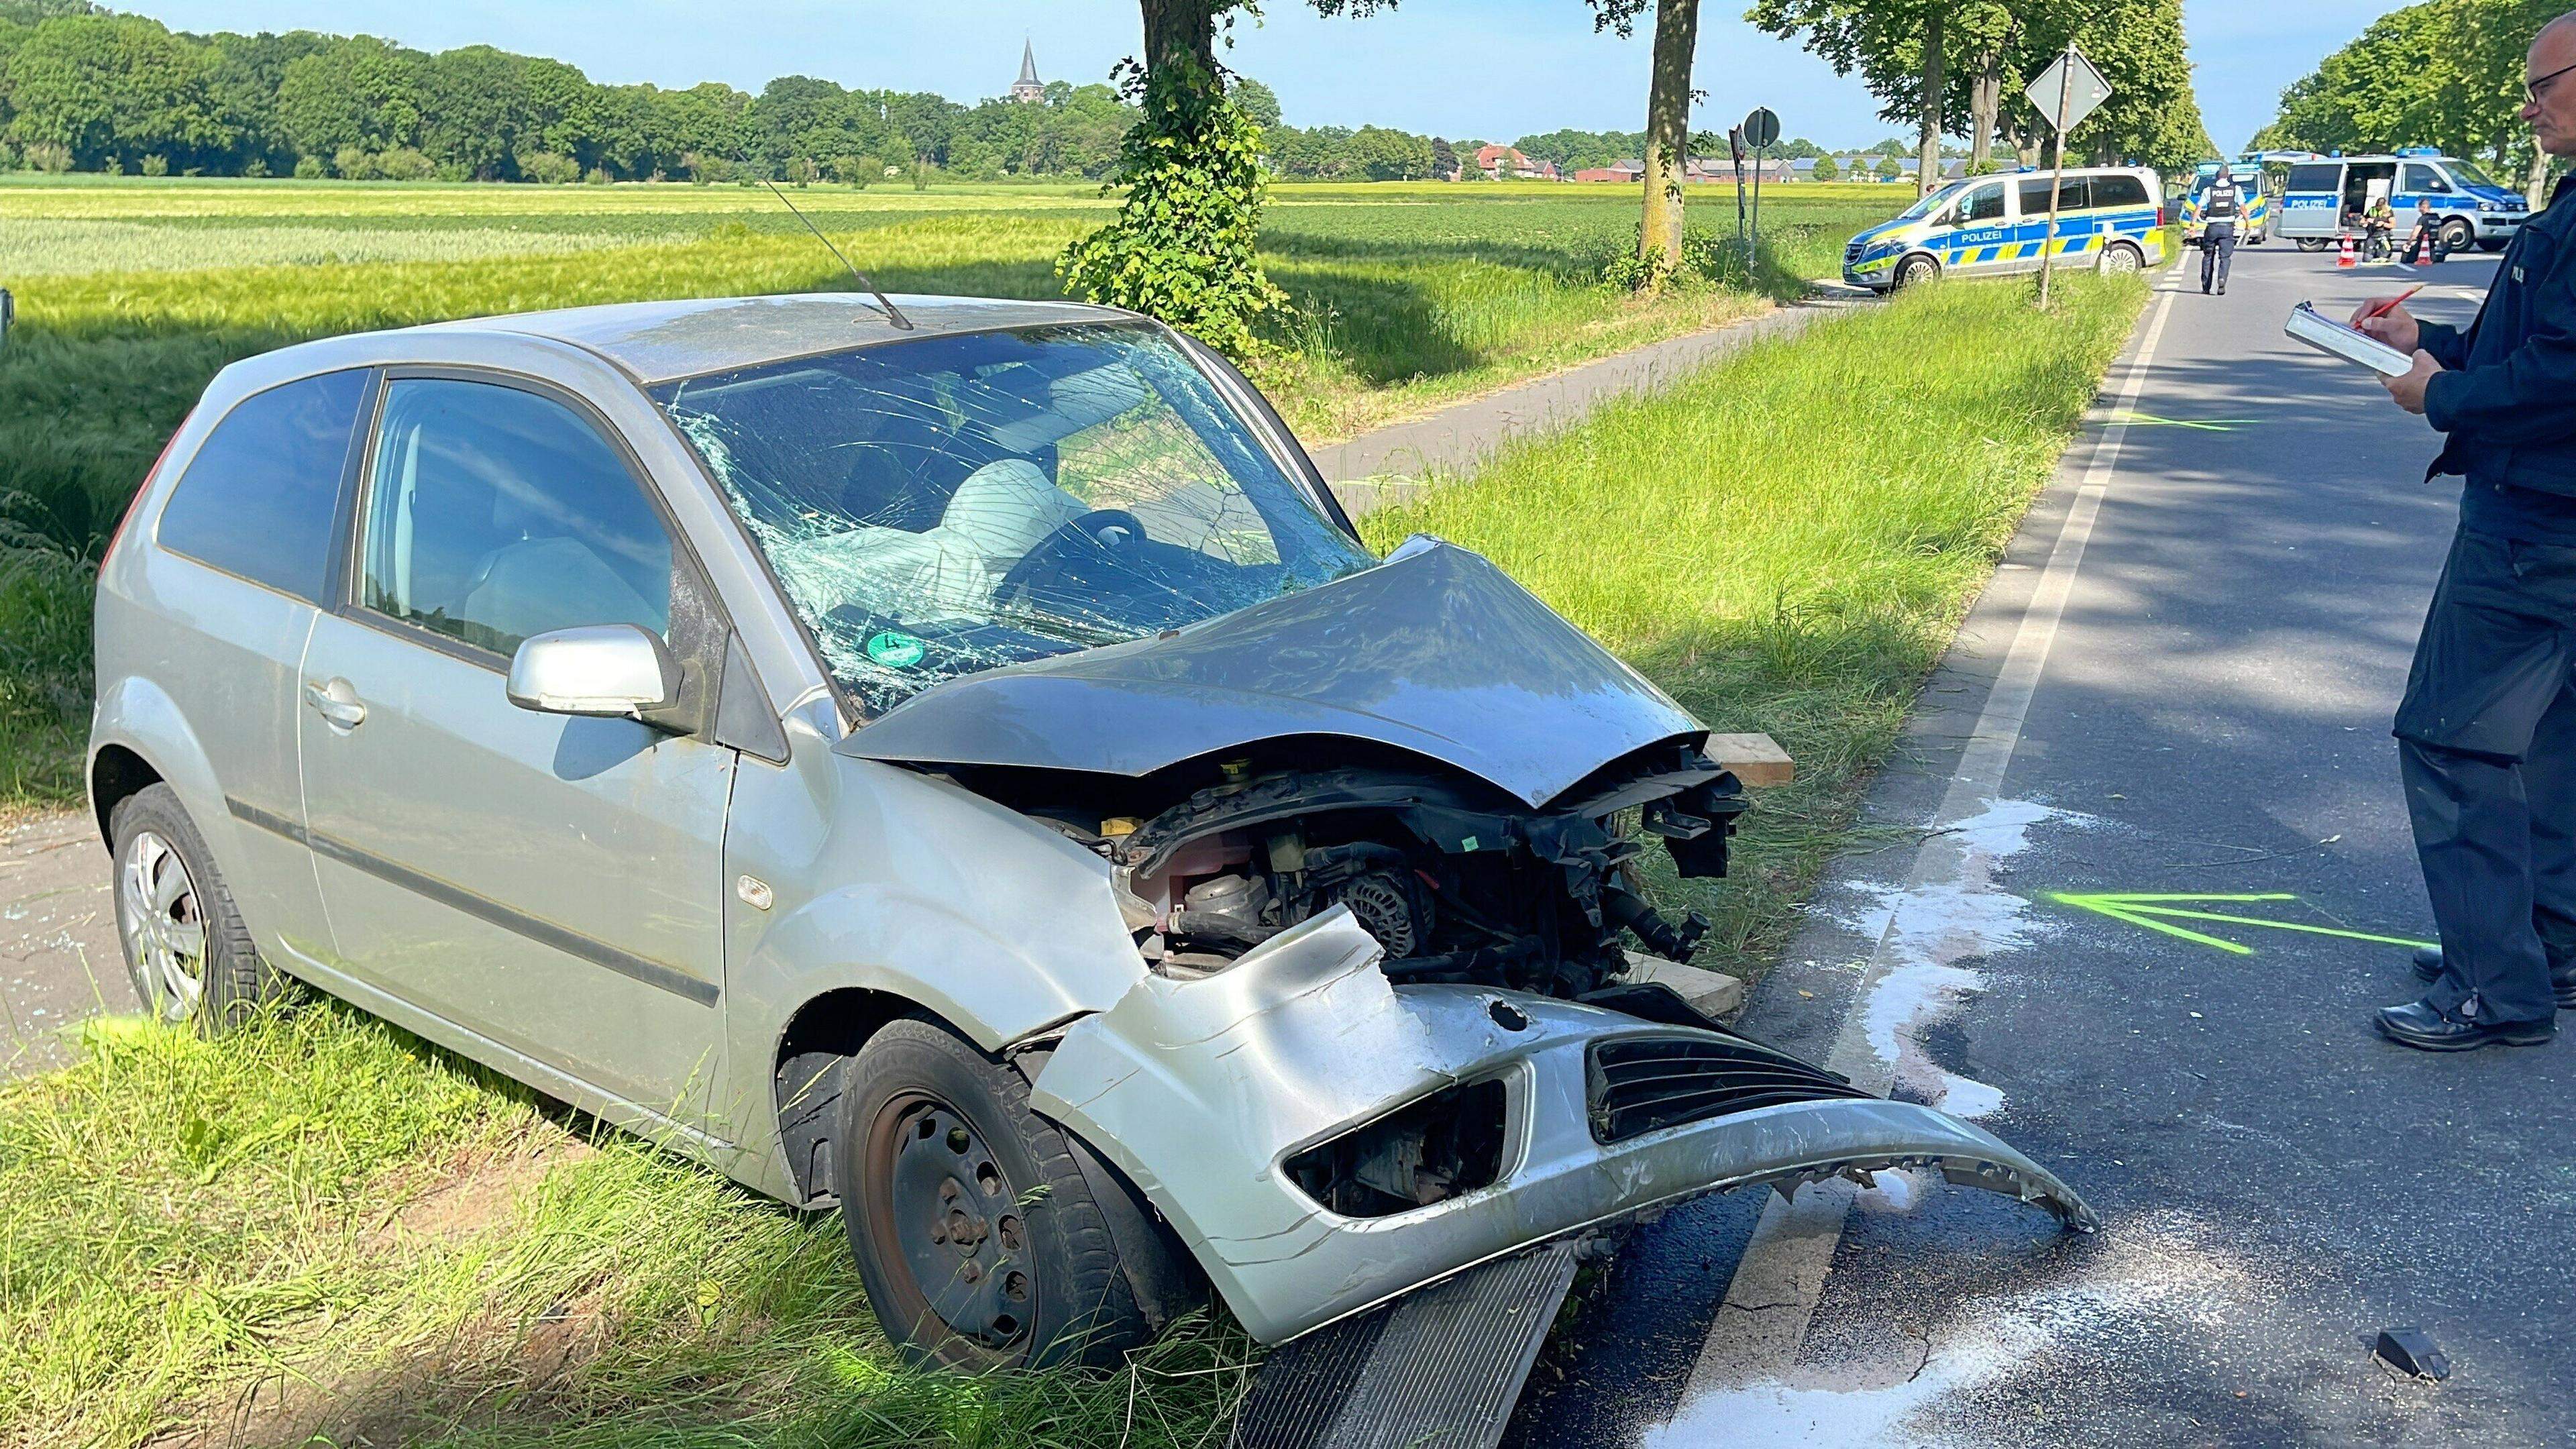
(323, 1226)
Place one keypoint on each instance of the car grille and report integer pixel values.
(1852, 251)
(1645, 1084)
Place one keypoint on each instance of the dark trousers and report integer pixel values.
(2217, 249)
(2487, 750)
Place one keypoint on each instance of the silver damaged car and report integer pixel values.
(959, 764)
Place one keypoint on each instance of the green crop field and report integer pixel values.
(133, 292)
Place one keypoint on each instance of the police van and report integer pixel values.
(2254, 204)
(2326, 196)
(2107, 216)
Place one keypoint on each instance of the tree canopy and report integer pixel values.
(113, 90)
(2445, 73)
(1992, 49)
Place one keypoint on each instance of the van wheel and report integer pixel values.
(2123, 258)
(1916, 270)
(974, 1229)
(2495, 245)
(2312, 244)
(2457, 235)
(186, 948)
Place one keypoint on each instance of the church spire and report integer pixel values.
(1028, 87)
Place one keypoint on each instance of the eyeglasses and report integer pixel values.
(2531, 89)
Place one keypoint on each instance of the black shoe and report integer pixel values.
(2222, 289)
(2417, 1024)
(2562, 978)
(2204, 289)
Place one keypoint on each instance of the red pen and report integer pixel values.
(2384, 308)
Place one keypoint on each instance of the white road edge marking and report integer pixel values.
(1781, 1276)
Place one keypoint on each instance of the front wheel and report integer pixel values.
(1916, 270)
(975, 1231)
(189, 954)
(2496, 244)
(2122, 258)
(2312, 243)
(2258, 238)
(2457, 235)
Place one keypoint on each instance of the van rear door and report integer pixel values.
(2309, 201)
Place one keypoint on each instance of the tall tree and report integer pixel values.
(1182, 246)
(1668, 103)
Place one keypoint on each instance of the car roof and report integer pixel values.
(660, 341)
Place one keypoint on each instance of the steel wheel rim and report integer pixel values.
(159, 914)
(950, 1225)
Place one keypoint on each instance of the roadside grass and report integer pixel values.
(1786, 543)
(1400, 304)
(323, 1226)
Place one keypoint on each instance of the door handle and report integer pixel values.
(337, 702)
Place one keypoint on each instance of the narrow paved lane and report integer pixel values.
(2209, 717)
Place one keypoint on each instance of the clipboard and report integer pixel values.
(2326, 335)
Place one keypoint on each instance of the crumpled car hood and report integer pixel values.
(1436, 651)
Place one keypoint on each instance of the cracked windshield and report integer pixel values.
(946, 506)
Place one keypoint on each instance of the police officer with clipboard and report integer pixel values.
(2487, 732)
(2220, 206)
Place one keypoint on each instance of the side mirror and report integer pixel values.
(617, 670)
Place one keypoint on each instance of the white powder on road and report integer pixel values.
(2150, 1273)
(1939, 936)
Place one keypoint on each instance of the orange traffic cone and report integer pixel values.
(2427, 250)
(2344, 257)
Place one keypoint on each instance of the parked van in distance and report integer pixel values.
(2107, 216)
(2254, 220)
(2325, 197)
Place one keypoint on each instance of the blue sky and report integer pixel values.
(1492, 69)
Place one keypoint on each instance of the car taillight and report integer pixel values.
(136, 502)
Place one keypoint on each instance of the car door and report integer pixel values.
(1980, 234)
(549, 883)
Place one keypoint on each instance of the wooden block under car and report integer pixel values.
(1757, 760)
(1714, 993)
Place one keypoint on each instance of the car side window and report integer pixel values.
(1986, 203)
(2420, 177)
(2118, 191)
(494, 513)
(260, 498)
(2034, 198)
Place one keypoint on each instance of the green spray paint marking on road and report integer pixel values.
(2206, 425)
(2157, 912)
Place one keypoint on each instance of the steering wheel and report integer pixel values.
(1113, 533)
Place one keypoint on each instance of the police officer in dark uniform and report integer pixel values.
(2220, 206)
(2487, 732)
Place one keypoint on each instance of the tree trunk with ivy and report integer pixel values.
(1182, 246)
(1668, 102)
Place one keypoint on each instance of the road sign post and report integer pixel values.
(2069, 90)
(1762, 129)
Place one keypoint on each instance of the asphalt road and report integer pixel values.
(2233, 608)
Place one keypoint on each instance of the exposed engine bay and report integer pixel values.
(1456, 881)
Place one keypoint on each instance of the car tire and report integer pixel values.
(2258, 238)
(975, 1230)
(2123, 258)
(190, 957)
(2312, 243)
(1915, 270)
(2456, 235)
(2494, 244)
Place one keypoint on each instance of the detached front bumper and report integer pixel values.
(1205, 1091)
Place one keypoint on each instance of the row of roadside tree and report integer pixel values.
(2446, 73)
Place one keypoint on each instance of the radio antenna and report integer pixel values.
(893, 314)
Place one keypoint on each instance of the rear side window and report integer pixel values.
(2119, 191)
(260, 497)
(2314, 178)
